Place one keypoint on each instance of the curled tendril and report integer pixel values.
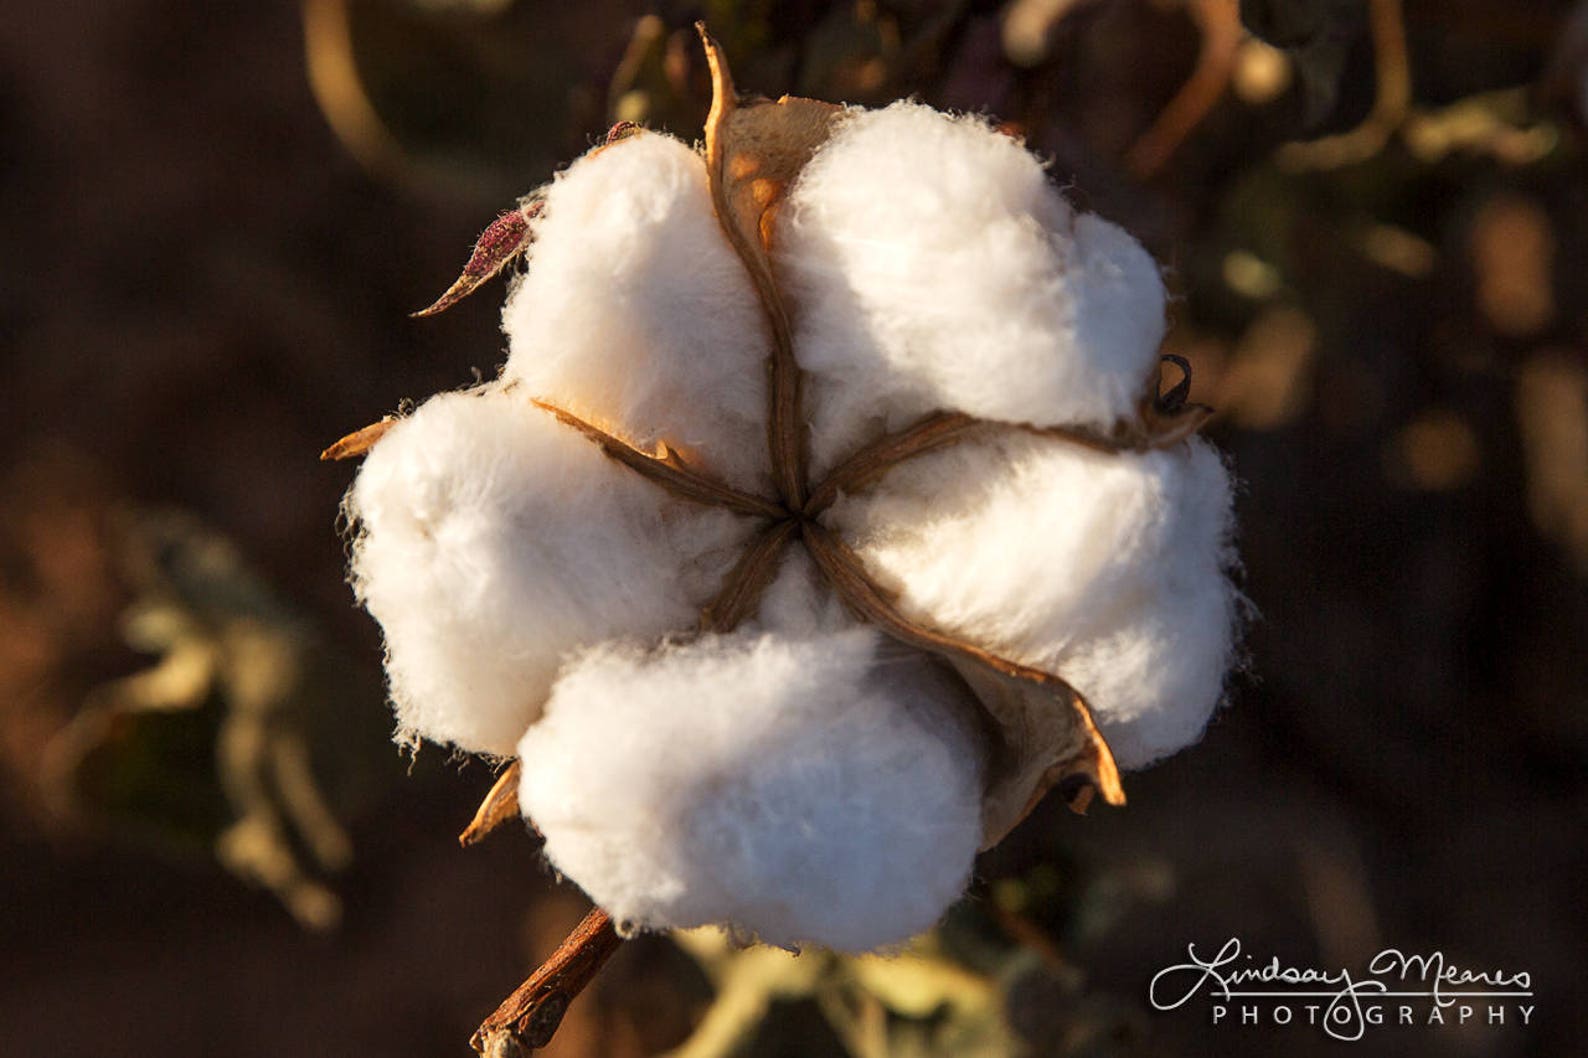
(1175, 399)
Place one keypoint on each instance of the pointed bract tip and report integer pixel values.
(358, 442)
(722, 91)
(506, 238)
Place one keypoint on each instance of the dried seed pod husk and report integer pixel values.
(755, 150)
(1047, 740)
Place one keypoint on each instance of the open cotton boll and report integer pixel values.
(492, 540)
(805, 790)
(1057, 556)
(931, 264)
(637, 314)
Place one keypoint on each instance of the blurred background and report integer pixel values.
(215, 220)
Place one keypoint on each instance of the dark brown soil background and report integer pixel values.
(202, 284)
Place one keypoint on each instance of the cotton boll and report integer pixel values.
(492, 540)
(930, 264)
(814, 790)
(637, 314)
(1107, 569)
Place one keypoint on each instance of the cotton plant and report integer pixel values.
(826, 514)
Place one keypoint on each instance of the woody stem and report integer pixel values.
(529, 1017)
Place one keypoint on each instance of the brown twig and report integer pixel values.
(1392, 99)
(1220, 23)
(338, 87)
(529, 1017)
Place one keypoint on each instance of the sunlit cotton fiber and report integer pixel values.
(823, 790)
(492, 539)
(932, 264)
(635, 310)
(1109, 569)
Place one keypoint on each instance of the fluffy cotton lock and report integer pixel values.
(931, 264)
(1160, 674)
(820, 790)
(637, 314)
(491, 540)
(1108, 569)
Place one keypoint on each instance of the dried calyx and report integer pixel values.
(840, 419)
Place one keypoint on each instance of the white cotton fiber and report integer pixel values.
(799, 602)
(1108, 569)
(491, 540)
(815, 790)
(1159, 672)
(636, 313)
(931, 264)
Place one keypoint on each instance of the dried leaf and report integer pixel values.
(619, 132)
(211, 745)
(1169, 417)
(1164, 429)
